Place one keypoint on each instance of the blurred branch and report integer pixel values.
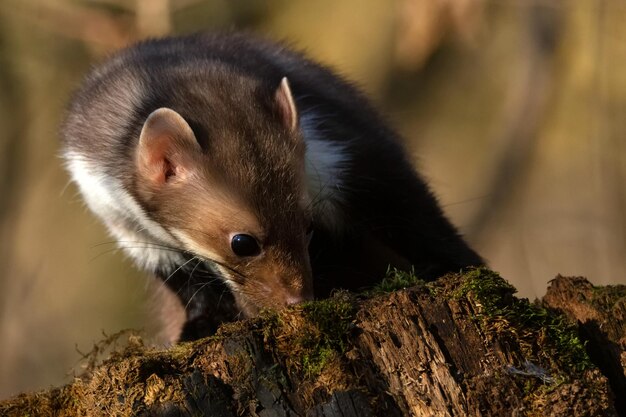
(94, 23)
(423, 25)
(153, 17)
(173, 5)
(98, 29)
(524, 113)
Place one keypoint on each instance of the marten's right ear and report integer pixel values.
(166, 147)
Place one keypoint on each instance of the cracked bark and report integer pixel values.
(437, 349)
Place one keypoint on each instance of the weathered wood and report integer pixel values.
(462, 346)
(601, 314)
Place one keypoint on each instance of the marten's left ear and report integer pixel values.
(166, 147)
(286, 105)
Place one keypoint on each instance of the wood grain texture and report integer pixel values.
(601, 314)
(450, 348)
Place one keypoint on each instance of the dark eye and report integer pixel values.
(245, 245)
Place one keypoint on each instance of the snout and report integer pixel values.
(291, 291)
(298, 298)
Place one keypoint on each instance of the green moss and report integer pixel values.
(333, 319)
(545, 337)
(312, 334)
(396, 280)
(494, 293)
(314, 361)
(607, 297)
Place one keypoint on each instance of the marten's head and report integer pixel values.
(224, 175)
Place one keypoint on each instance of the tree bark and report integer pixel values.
(601, 316)
(461, 346)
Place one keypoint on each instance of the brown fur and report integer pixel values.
(231, 159)
(200, 201)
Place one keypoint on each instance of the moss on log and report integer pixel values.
(461, 346)
(601, 316)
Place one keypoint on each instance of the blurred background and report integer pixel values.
(515, 111)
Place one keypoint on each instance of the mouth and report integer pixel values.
(250, 306)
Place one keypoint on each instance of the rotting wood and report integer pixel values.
(461, 346)
(601, 314)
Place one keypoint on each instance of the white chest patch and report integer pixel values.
(326, 164)
(144, 240)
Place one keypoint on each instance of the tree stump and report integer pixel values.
(460, 346)
(601, 316)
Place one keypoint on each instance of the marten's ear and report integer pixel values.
(286, 105)
(166, 147)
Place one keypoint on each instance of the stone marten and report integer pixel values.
(246, 176)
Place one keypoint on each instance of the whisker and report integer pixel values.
(198, 276)
(195, 267)
(99, 255)
(178, 269)
(195, 293)
(220, 299)
(152, 245)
